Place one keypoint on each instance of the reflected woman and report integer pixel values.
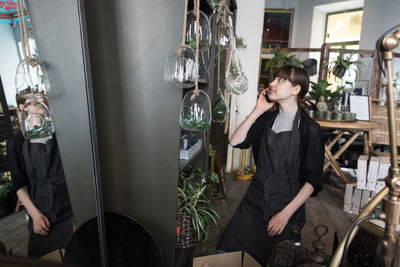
(39, 181)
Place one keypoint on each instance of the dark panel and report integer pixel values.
(136, 113)
(57, 31)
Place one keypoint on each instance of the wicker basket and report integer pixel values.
(185, 235)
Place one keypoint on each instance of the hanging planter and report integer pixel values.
(195, 111)
(31, 78)
(225, 36)
(36, 120)
(235, 80)
(220, 110)
(204, 31)
(180, 68)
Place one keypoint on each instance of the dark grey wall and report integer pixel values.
(136, 113)
(57, 32)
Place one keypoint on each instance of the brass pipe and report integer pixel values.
(335, 261)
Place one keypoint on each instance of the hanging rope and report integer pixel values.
(223, 3)
(183, 43)
(26, 49)
(196, 90)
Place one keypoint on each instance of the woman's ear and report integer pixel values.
(296, 89)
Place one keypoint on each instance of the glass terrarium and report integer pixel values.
(195, 111)
(31, 78)
(180, 68)
(204, 31)
(225, 35)
(235, 81)
(36, 121)
(220, 110)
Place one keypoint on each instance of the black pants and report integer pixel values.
(57, 238)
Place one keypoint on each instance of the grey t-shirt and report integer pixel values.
(283, 122)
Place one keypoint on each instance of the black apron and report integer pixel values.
(48, 191)
(275, 183)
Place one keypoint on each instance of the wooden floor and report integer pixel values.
(325, 209)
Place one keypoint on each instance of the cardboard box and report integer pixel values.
(232, 259)
(188, 153)
(348, 196)
(383, 172)
(356, 201)
(372, 175)
(362, 163)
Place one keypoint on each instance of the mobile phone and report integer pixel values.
(267, 97)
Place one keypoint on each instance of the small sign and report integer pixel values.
(359, 104)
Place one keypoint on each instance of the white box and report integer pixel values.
(372, 173)
(362, 171)
(188, 153)
(366, 194)
(356, 201)
(383, 172)
(348, 196)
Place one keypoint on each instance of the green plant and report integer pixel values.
(192, 200)
(320, 89)
(5, 186)
(40, 131)
(219, 110)
(343, 63)
(3, 150)
(189, 121)
(240, 43)
(192, 44)
(280, 59)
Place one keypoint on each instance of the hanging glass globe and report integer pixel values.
(224, 35)
(204, 31)
(180, 68)
(36, 121)
(220, 110)
(235, 81)
(195, 111)
(31, 78)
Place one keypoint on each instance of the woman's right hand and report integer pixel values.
(262, 105)
(41, 224)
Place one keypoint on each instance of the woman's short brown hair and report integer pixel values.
(297, 76)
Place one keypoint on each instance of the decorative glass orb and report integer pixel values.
(235, 81)
(32, 78)
(204, 31)
(180, 68)
(220, 110)
(195, 112)
(224, 36)
(36, 121)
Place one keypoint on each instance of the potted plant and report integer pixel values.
(5, 188)
(280, 59)
(343, 63)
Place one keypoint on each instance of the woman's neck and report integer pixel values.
(288, 107)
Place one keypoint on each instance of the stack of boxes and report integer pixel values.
(370, 175)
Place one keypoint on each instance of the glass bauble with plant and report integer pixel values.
(36, 121)
(195, 111)
(31, 78)
(204, 31)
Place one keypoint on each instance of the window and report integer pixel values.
(343, 29)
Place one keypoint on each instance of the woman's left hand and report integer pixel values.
(277, 224)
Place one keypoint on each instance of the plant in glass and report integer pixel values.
(195, 111)
(235, 80)
(31, 78)
(280, 59)
(220, 110)
(180, 68)
(36, 120)
(204, 30)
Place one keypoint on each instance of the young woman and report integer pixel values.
(289, 154)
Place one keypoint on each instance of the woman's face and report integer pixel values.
(281, 89)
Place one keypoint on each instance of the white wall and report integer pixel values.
(249, 23)
(9, 60)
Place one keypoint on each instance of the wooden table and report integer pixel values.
(354, 129)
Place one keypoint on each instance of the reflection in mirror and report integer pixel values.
(35, 210)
